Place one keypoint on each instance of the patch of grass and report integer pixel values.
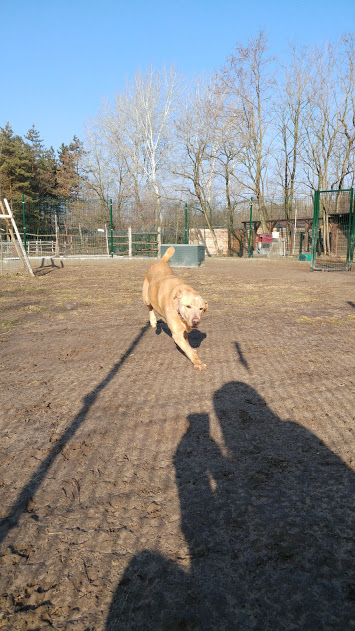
(33, 308)
(339, 320)
(7, 325)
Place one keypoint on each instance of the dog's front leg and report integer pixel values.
(152, 317)
(181, 340)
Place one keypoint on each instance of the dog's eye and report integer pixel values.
(201, 308)
(188, 306)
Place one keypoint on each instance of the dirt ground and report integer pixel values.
(140, 494)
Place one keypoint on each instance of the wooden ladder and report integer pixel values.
(17, 241)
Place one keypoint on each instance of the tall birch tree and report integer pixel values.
(290, 109)
(249, 78)
(198, 141)
(145, 113)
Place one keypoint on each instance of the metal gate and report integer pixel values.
(333, 230)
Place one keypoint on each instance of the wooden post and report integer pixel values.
(130, 242)
(106, 236)
(159, 241)
(12, 237)
(294, 232)
(56, 235)
(18, 241)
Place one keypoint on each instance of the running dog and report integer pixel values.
(179, 305)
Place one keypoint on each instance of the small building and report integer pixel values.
(203, 236)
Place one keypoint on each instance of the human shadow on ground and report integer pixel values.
(267, 521)
(195, 336)
(20, 505)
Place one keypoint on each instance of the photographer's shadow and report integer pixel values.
(268, 525)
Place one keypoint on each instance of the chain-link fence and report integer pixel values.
(273, 227)
(58, 227)
(248, 228)
(333, 230)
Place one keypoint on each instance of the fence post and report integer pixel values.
(106, 236)
(350, 249)
(159, 241)
(56, 235)
(130, 242)
(294, 231)
(250, 254)
(186, 226)
(315, 228)
(111, 228)
(24, 221)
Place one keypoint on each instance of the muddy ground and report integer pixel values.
(140, 494)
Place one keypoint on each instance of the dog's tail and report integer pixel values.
(168, 254)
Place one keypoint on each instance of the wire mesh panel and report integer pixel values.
(59, 227)
(145, 243)
(332, 232)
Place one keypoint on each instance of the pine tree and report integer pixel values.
(69, 178)
(28, 168)
(15, 166)
(7, 154)
(35, 149)
(43, 166)
(47, 173)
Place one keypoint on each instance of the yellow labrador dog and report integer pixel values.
(180, 305)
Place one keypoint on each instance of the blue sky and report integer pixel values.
(61, 59)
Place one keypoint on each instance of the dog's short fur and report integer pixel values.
(180, 305)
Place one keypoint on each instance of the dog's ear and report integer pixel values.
(178, 294)
(206, 306)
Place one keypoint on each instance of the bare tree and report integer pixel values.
(105, 164)
(249, 79)
(321, 122)
(198, 138)
(239, 132)
(147, 109)
(229, 149)
(290, 109)
(130, 140)
(329, 125)
(124, 148)
(344, 153)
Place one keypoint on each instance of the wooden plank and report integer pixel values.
(7, 219)
(19, 245)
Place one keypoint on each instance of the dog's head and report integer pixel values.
(190, 307)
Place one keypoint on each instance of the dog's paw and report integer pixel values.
(200, 366)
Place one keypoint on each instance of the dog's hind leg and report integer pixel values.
(145, 296)
(145, 292)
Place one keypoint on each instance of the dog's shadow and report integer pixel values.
(195, 336)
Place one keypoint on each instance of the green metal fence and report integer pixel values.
(333, 230)
(138, 242)
(323, 228)
(57, 227)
